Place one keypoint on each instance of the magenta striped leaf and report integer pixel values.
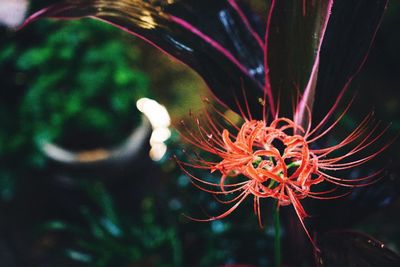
(304, 52)
(348, 39)
(221, 41)
(209, 36)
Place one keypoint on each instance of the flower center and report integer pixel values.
(272, 157)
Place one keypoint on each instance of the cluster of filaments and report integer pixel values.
(277, 164)
(276, 160)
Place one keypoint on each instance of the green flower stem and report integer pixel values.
(277, 242)
(271, 184)
(293, 164)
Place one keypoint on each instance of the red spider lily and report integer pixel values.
(277, 159)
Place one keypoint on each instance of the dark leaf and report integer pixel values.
(350, 32)
(361, 203)
(220, 41)
(211, 37)
(349, 35)
(296, 31)
(352, 249)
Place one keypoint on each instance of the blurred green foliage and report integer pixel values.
(76, 84)
(110, 239)
(77, 81)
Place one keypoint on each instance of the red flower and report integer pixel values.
(277, 160)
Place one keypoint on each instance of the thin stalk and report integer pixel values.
(277, 242)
